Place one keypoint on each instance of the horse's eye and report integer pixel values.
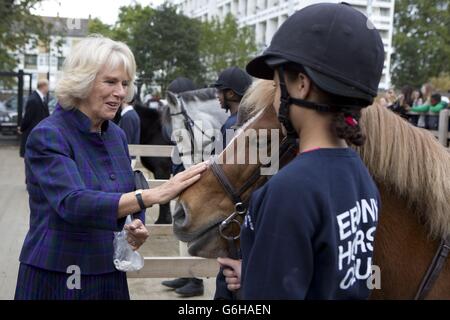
(179, 138)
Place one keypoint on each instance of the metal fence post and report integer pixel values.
(20, 97)
(443, 127)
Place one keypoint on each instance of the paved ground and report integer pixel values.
(14, 215)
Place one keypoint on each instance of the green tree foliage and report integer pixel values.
(441, 83)
(17, 28)
(165, 43)
(421, 41)
(98, 27)
(224, 44)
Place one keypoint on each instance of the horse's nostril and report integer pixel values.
(179, 216)
(179, 211)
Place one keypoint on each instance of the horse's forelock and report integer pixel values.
(259, 96)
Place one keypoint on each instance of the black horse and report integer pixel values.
(152, 133)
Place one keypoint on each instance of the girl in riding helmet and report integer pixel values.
(309, 231)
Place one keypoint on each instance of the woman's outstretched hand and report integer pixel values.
(179, 182)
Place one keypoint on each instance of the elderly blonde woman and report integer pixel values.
(80, 181)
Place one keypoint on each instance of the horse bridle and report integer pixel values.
(241, 206)
(434, 269)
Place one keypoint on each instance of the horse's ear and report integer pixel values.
(172, 99)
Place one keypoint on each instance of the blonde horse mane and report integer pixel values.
(410, 162)
(259, 96)
(406, 160)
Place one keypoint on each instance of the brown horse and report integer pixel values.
(412, 172)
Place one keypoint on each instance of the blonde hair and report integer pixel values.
(83, 64)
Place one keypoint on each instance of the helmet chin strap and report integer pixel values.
(286, 100)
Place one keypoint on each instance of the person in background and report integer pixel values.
(130, 123)
(416, 98)
(403, 103)
(231, 86)
(36, 109)
(426, 90)
(435, 106)
(390, 96)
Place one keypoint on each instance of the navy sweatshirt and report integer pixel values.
(309, 231)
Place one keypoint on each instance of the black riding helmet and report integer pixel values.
(181, 84)
(339, 49)
(235, 79)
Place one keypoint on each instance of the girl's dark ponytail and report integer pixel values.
(345, 125)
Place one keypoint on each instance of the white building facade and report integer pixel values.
(265, 16)
(43, 60)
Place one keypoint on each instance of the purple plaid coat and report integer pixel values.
(75, 179)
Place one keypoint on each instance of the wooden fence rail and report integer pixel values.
(168, 267)
(176, 267)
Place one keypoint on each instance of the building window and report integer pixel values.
(384, 34)
(60, 62)
(43, 60)
(30, 61)
(384, 12)
(235, 8)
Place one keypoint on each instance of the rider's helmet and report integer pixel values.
(181, 84)
(338, 48)
(235, 79)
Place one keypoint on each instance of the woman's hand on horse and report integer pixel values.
(232, 272)
(137, 233)
(179, 182)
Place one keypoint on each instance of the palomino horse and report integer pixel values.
(412, 172)
(195, 119)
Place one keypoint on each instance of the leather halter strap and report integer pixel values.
(189, 124)
(236, 194)
(434, 269)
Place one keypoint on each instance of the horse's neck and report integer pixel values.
(404, 252)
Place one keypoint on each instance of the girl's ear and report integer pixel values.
(303, 85)
(229, 94)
